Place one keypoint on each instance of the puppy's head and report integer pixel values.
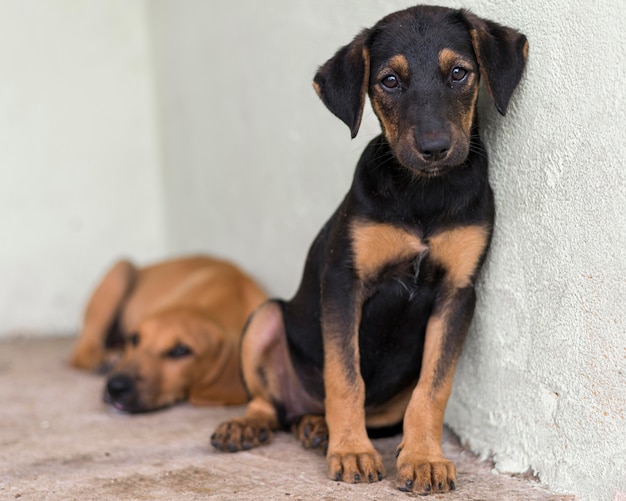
(421, 68)
(175, 356)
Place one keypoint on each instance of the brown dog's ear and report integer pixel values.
(502, 53)
(216, 377)
(342, 82)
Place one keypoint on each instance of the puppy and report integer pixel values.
(171, 332)
(372, 337)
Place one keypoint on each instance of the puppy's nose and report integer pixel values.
(433, 146)
(120, 385)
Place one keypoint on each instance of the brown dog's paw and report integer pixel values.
(356, 467)
(422, 474)
(312, 432)
(86, 356)
(241, 434)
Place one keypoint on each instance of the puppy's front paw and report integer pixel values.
(424, 474)
(241, 434)
(355, 466)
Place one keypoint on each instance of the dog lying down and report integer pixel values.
(168, 332)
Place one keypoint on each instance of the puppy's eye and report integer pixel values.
(133, 340)
(179, 351)
(458, 74)
(390, 82)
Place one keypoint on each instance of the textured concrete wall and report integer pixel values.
(542, 384)
(256, 164)
(79, 170)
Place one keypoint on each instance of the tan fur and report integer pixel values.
(468, 115)
(459, 251)
(388, 124)
(420, 455)
(200, 302)
(350, 450)
(375, 245)
(447, 59)
(400, 65)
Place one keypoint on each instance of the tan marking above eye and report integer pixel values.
(459, 251)
(449, 58)
(376, 244)
(400, 65)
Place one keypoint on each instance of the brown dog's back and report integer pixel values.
(216, 286)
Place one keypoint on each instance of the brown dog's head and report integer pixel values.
(176, 355)
(421, 68)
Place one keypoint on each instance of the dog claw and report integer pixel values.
(408, 486)
(452, 485)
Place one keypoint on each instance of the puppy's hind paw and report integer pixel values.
(312, 432)
(241, 434)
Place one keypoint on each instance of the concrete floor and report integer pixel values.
(58, 441)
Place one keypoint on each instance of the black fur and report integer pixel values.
(393, 321)
(387, 294)
(400, 301)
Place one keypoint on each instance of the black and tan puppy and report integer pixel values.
(170, 331)
(372, 337)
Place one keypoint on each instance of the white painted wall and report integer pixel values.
(256, 164)
(253, 164)
(80, 179)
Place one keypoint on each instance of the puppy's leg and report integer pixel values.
(263, 359)
(90, 351)
(351, 456)
(422, 467)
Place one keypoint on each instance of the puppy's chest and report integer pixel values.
(383, 250)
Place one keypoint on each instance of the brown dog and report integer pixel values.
(170, 331)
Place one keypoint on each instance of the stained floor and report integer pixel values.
(58, 441)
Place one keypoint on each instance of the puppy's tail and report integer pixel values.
(100, 330)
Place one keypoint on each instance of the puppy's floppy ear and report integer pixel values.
(502, 53)
(342, 82)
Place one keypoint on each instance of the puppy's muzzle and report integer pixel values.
(433, 146)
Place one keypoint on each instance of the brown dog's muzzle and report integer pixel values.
(121, 392)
